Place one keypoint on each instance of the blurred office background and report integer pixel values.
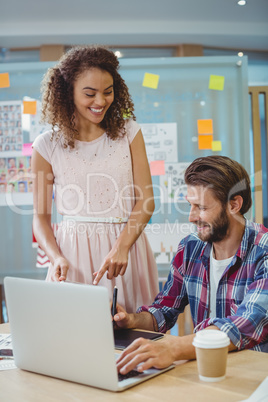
(35, 33)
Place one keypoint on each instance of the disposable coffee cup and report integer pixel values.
(211, 354)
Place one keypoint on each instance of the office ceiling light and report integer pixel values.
(241, 2)
(118, 54)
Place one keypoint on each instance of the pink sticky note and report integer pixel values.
(27, 149)
(157, 168)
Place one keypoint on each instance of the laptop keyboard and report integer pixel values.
(132, 373)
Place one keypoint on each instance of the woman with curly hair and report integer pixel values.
(95, 157)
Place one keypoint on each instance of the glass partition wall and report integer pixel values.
(187, 107)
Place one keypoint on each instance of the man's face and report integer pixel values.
(208, 214)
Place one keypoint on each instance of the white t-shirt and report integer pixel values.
(217, 268)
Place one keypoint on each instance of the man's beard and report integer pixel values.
(219, 228)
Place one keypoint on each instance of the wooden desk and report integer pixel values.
(245, 371)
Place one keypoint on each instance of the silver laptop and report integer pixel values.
(64, 330)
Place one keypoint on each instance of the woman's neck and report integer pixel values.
(89, 132)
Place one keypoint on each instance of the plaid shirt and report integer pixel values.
(242, 294)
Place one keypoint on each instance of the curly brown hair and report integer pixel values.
(57, 92)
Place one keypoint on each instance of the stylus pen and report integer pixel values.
(114, 301)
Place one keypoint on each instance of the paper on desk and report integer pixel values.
(7, 365)
(5, 343)
(260, 394)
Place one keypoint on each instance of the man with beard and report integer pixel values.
(221, 271)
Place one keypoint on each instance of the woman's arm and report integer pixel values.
(42, 198)
(116, 261)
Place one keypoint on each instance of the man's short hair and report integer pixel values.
(224, 176)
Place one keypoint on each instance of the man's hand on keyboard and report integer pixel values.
(146, 354)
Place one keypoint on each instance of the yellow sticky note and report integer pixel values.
(29, 107)
(205, 126)
(4, 80)
(150, 80)
(216, 146)
(157, 168)
(216, 82)
(205, 141)
(126, 114)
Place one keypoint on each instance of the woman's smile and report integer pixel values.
(93, 95)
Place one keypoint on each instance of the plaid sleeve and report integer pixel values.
(248, 327)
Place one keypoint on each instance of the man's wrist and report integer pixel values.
(135, 320)
(182, 347)
(144, 320)
(154, 323)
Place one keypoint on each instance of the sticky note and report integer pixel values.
(157, 168)
(126, 114)
(205, 141)
(4, 80)
(216, 146)
(29, 107)
(150, 80)
(205, 126)
(216, 82)
(27, 149)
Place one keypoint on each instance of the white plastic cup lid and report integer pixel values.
(211, 339)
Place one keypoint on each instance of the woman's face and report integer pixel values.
(93, 95)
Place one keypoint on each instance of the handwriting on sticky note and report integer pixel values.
(216, 82)
(150, 80)
(27, 149)
(4, 80)
(205, 126)
(205, 141)
(157, 168)
(29, 107)
(216, 146)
